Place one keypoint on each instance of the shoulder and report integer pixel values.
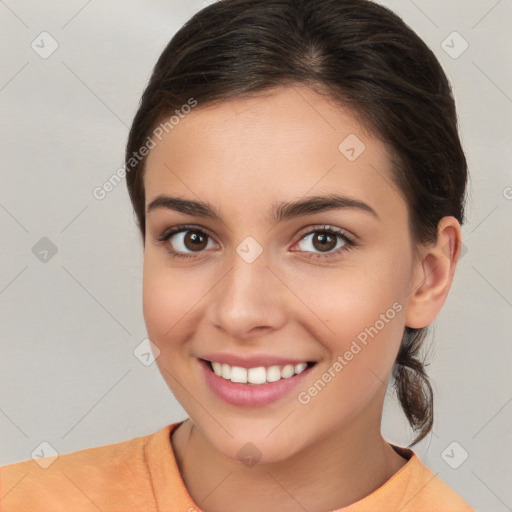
(430, 491)
(423, 490)
(84, 480)
(413, 488)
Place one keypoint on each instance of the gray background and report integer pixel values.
(71, 321)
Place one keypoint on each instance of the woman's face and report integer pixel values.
(264, 279)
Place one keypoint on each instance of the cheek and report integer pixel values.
(167, 310)
(361, 356)
(162, 296)
(157, 302)
(173, 300)
(347, 302)
(360, 322)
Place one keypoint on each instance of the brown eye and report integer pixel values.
(185, 242)
(195, 241)
(324, 241)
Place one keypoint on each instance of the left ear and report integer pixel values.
(433, 274)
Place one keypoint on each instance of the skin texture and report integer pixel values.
(242, 156)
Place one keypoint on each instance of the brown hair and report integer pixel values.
(361, 55)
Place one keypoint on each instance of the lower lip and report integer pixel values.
(249, 395)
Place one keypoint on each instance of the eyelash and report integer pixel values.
(338, 233)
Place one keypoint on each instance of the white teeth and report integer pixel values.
(273, 373)
(226, 371)
(217, 368)
(239, 374)
(258, 375)
(287, 371)
(299, 368)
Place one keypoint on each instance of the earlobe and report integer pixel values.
(433, 274)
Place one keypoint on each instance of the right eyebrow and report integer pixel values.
(188, 206)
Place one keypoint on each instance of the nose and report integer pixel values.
(250, 297)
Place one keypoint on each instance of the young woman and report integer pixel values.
(299, 184)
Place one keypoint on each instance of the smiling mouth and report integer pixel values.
(258, 375)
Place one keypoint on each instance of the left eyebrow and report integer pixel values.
(279, 211)
(317, 204)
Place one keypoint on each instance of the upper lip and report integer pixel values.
(252, 361)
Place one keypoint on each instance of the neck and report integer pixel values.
(335, 471)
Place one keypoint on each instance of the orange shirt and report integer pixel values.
(141, 475)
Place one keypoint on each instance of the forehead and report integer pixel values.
(276, 145)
